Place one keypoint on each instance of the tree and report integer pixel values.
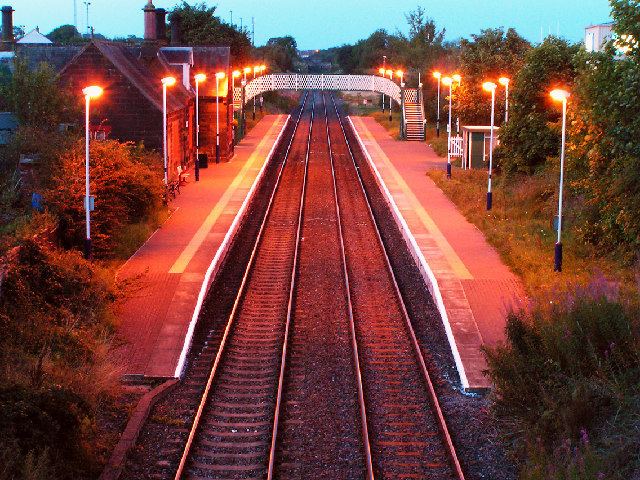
(532, 134)
(200, 26)
(486, 56)
(424, 45)
(65, 35)
(280, 53)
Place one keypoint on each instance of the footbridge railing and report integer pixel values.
(294, 81)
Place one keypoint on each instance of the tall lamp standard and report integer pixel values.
(438, 77)
(490, 87)
(199, 78)
(458, 79)
(256, 69)
(235, 74)
(390, 73)
(560, 96)
(382, 72)
(400, 74)
(504, 81)
(219, 76)
(166, 82)
(448, 82)
(89, 93)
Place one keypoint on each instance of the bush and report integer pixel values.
(126, 181)
(567, 386)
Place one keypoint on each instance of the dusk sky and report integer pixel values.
(321, 24)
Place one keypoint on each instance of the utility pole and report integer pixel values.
(75, 13)
(88, 27)
(231, 13)
(241, 25)
(253, 32)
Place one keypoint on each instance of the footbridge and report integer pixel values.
(409, 99)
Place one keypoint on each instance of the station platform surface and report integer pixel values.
(165, 276)
(477, 288)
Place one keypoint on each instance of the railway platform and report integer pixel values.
(169, 270)
(474, 287)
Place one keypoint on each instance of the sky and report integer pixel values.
(319, 24)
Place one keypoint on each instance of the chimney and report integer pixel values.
(7, 29)
(150, 22)
(175, 30)
(161, 24)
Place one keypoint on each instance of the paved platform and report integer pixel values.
(166, 275)
(473, 287)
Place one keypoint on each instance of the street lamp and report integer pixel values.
(438, 76)
(560, 96)
(89, 93)
(490, 87)
(166, 82)
(199, 78)
(219, 76)
(448, 82)
(458, 79)
(235, 74)
(390, 73)
(256, 69)
(246, 70)
(504, 81)
(382, 71)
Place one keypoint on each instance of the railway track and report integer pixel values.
(319, 373)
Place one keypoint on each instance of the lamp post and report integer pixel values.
(448, 82)
(89, 93)
(199, 78)
(490, 87)
(560, 96)
(390, 73)
(166, 82)
(382, 72)
(504, 81)
(458, 79)
(256, 69)
(400, 74)
(219, 76)
(438, 77)
(235, 74)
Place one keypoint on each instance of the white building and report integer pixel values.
(34, 37)
(595, 36)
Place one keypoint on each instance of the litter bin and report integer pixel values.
(203, 160)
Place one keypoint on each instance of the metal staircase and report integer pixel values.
(414, 122)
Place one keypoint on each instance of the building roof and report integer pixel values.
(144, 72)
(35, 37)
(55, 55)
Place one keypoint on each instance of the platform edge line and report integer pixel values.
(220, 254)
(424, 267)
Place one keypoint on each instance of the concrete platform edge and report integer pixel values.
(423, 266)
(221, 254)
(114, 467)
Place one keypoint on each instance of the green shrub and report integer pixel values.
(126, 181)
(567, 385)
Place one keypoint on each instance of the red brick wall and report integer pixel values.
(131, 115)
(208, 128)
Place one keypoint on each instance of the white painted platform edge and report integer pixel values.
(221, 253)
(423, 266)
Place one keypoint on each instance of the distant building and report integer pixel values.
(596, 36)
(34, 37)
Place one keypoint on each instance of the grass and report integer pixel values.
(520, 227)
(438, 144)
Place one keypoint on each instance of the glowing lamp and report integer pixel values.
(504, 81)
(400, 73)
(559, 95)
(381, 71)
(200, 77)
(489, 86)
(247, 70)
(447, 81)
(437, 75)
(457, 78)
(169, 81)
(220, 75)
(92, 92)
(236, 73)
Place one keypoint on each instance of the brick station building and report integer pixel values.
(131, 107)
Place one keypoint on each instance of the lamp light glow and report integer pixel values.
(220, 75)
(437, 75)
(169, 81)
(447, 81)
(92, 91)
(457, 78)
(504, 81)
(559, 95)
(390, 73)
(381, 71)
(236, 73)
(200, 77)
(489, 86)
(247, 70)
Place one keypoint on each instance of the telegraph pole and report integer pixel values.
(253, 32)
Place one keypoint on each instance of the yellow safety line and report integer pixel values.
(190, 250)
(456, 263)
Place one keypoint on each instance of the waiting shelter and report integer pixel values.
(476, 141)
